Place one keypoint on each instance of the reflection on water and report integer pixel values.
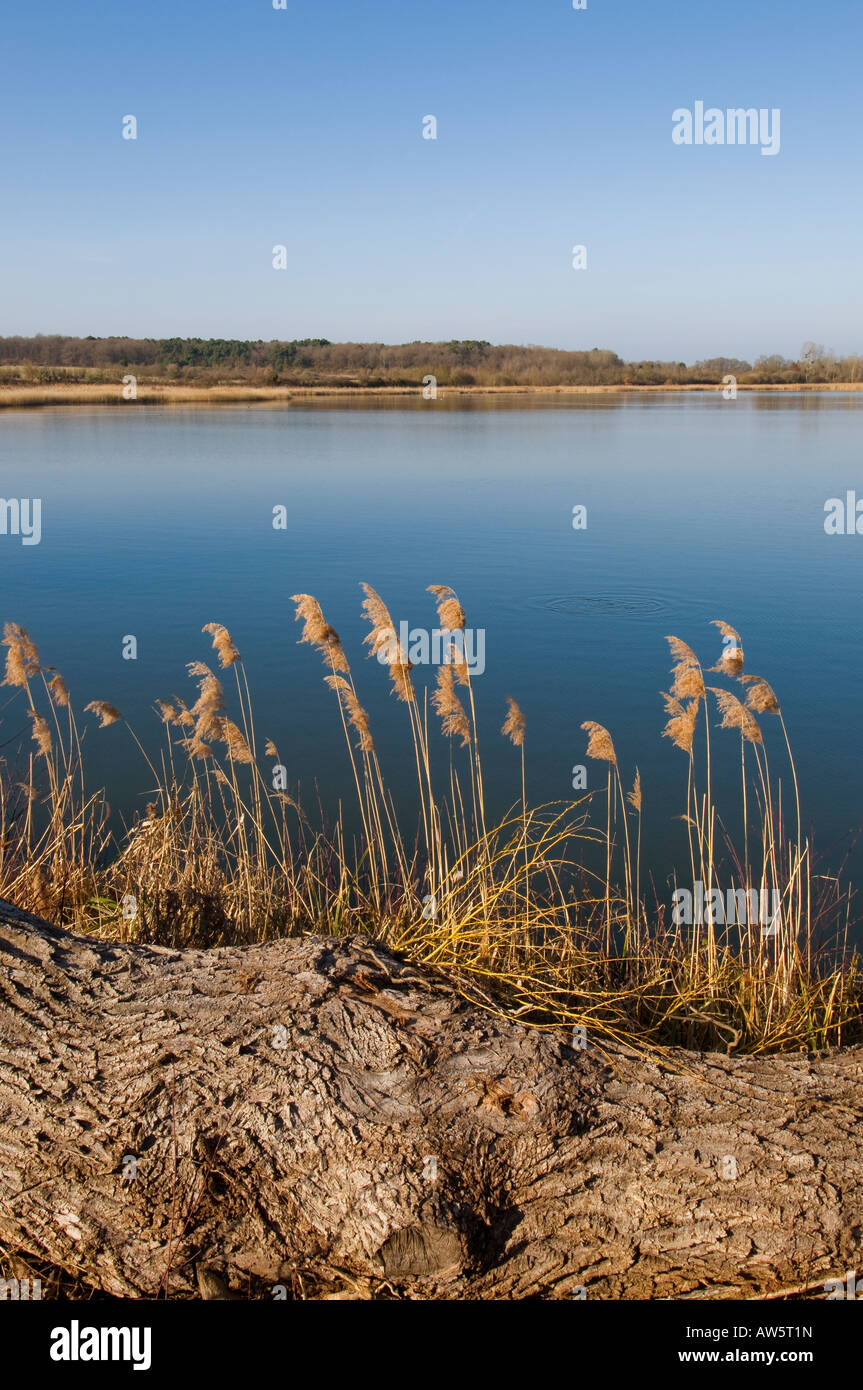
(158, 520)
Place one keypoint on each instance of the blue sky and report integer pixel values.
(303, 127)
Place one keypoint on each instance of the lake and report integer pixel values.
(158, 520)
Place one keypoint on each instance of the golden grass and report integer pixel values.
(167, 393)
(511, 910)
(100, 393)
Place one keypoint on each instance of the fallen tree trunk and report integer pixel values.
(315, 1113)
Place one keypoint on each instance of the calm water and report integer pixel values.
(156, 521)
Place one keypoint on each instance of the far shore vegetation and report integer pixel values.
(66, 370)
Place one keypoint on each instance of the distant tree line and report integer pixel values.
(317, 361)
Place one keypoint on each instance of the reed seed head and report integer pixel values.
(107, 714)
(599, 744)
(384, 643)
(760, 696)
(514, 726)
(454, 720)
(634, 797)
(403, 687)
(208, 708)
(167, 712)
(41, 733)
(727, 631)
(681, 726)
(357, 717)
(383, 630)
(59, 691)
(688, 683)
(197, 748)
(449, 611)
(318, 633)
(455, 658)
(22, 658)
(235, 742)
(731, 661)
(735, 715)
(184, 714)
(682, 653)
(222, 643)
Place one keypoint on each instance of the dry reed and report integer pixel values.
(512, 911)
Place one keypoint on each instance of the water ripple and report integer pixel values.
(601, 605)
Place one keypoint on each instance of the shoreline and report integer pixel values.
(29, 397)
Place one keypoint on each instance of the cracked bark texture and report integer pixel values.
(315, 1112)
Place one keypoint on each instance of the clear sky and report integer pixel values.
(303, 127)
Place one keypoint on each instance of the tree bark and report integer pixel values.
(316, 1113)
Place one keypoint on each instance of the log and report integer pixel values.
(316, 1117)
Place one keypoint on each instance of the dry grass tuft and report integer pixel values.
(522, 920)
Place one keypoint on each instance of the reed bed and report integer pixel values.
(509, 908)
(148, 393)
